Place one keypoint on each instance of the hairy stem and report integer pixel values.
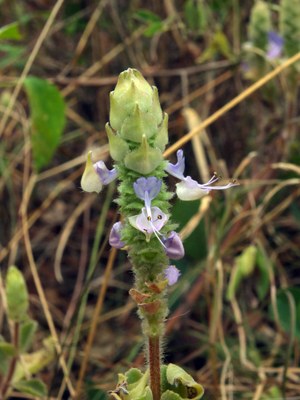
(154, 366)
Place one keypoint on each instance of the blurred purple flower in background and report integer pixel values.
(275, 45)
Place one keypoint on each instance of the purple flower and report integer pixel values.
(149, 185)
(172, 274)
(173, 246)
(188, 188)
(96, 175)
(275, 45)
(177, 169)
(147, 189)
(115, 236)
(149, 221)
(106, 176)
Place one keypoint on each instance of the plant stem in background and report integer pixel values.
(13, 362)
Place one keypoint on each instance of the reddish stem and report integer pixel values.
(154, 366)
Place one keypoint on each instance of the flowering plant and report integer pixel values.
(137, 134)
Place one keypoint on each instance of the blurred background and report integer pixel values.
(234, 320)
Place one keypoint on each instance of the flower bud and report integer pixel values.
(138, 130)
(16, 295)
(132, 89)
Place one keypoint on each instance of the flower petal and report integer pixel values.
(152, 185)
(115, 236)
(172, 274)
(177, 169)
(149, 224)
(90, 181)
(106, 175)
(173, 246)
(189, 189)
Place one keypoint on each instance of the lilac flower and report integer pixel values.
(275, 45)
(173, 246)
(188, 188)
(106, 176)
(149, 221)
(147, 189)
(115, 236)
(172, 274)
(96, 175)
(177, 169)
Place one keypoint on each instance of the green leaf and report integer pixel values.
(47, 108)
(27, 332)
(34, 387)
(16, 295)
(147, 16)
(284, 309)
(11, 54)
(264, 265)
(170, 395)
(154, 28)
(273, 393)
(95, 393)
(133, 375)
(183, 383)
(244, 266)
(7, 349)
(10, 32)
(155, 24)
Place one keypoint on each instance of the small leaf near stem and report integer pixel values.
(6, 384)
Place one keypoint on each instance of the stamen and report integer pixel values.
(157, 233)
(213, 179)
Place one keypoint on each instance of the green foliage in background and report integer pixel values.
(47, 114)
